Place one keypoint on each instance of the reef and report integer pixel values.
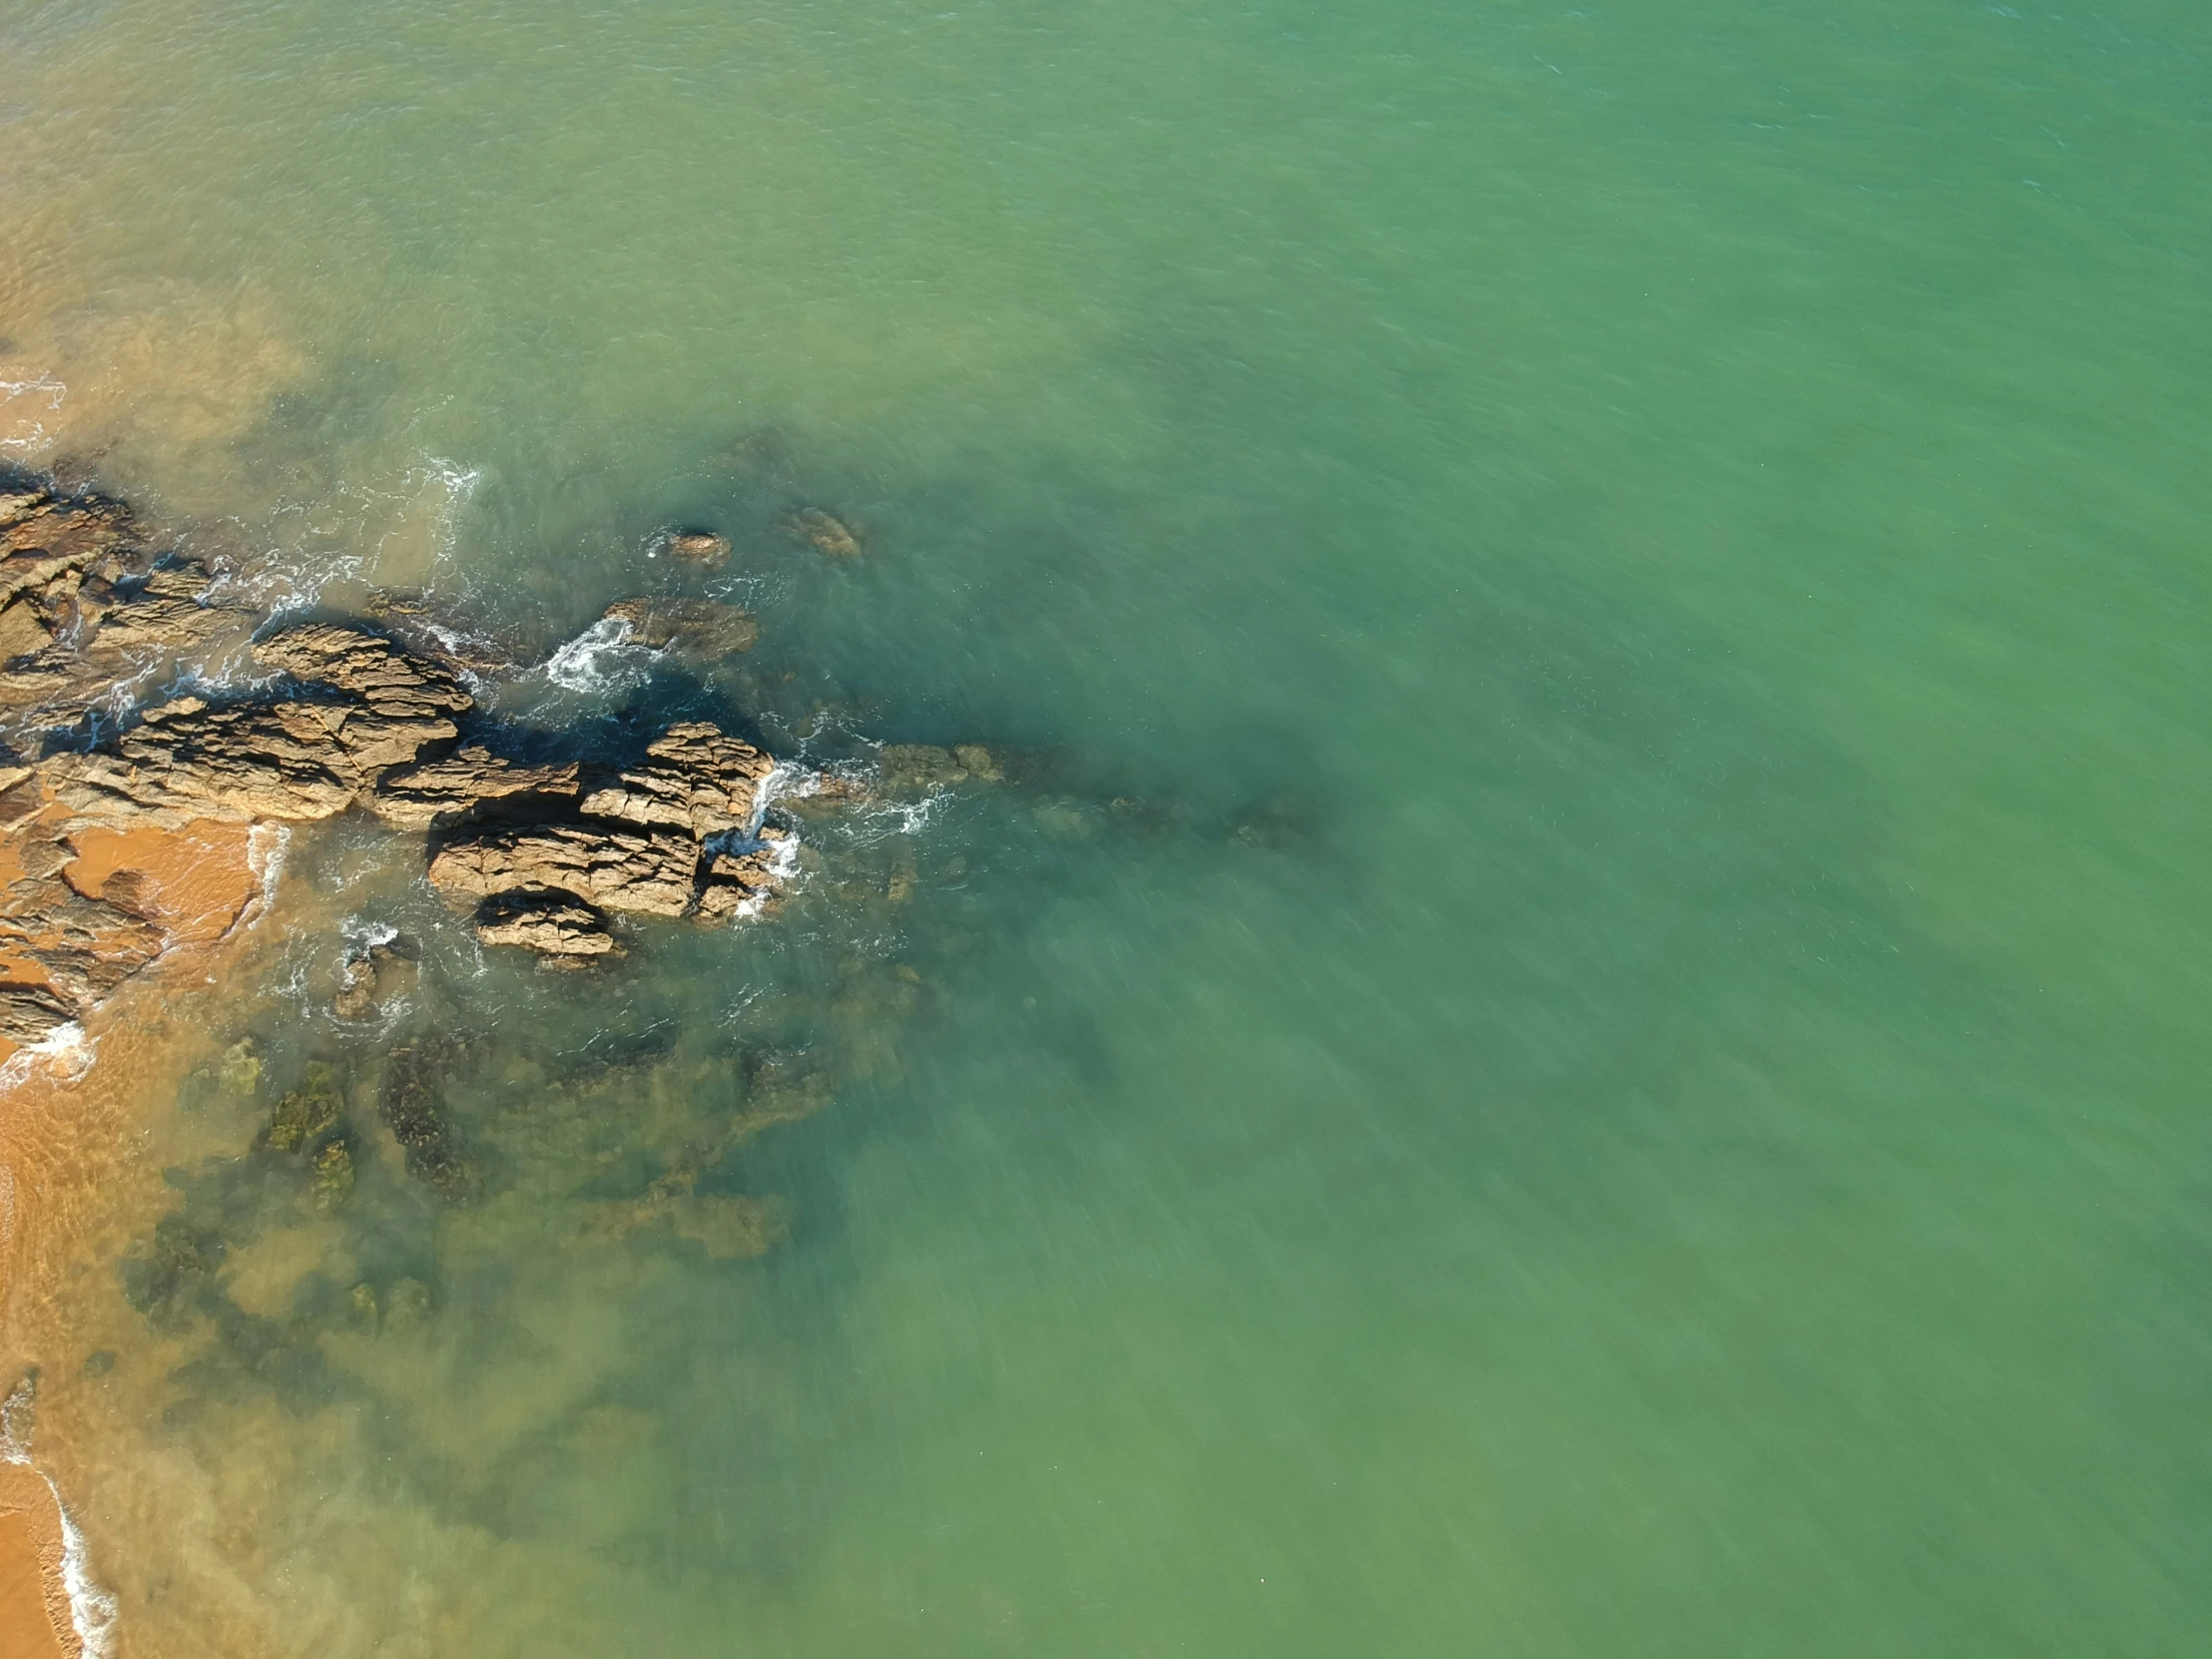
(137, 691)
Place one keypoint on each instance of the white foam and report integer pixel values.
(92, 1612)
(265, 845)
(363, 936)
(604, 657)
(65, 1051)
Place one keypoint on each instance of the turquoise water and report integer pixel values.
(1635, 1085)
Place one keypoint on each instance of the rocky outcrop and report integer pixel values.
(346, 716)
(85, 601)
(694, 777)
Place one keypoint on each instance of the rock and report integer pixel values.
(60, 952)
(295, 759)
(408, 1305)
(826, 533)
(414, 1110)
(440, 792)
(410, 700)
(23, 631)
(332, 1177)
(164, 614)
(653, 872)
(241, 1069)
(358, 716)
(695, 777)
(308, 1113)
(697, 628)
(32, 1013)
(369, 980)
(51, 536)
(918, 768)
(699, 547)
(398, 684)
(187, 760)
(551, 923)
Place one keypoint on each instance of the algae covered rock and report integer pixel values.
(306, 1113)
(411, 1103)
(241, 1069)
(332, 1178)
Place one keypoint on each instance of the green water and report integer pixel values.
(1676, 530)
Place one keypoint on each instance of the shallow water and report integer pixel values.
(1625, 1076)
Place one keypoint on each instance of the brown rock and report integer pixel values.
(735, 876)
(165, 614)
(23, 631)
(549, 922)
(369, 980)
(31, 1013)
(826, 533)
(700, 547)
(701, 628)
(52, 536)
(653, 872)
(694, 778)
(397, 683)
(296, 760)
(440, 792)
(187, 760)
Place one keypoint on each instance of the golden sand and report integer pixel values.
(68, 1177)
(34, 1614)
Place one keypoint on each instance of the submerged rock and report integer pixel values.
(307, 1112)
(333, 1180)
(826, 533)
(412, 1106)
(696, 627)
(919, 768)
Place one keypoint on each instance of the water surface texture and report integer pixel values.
(1586, 1034)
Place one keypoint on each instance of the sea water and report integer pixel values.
(1581, 1027)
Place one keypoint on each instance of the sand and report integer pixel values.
(63, 1129)
(34, 1614)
